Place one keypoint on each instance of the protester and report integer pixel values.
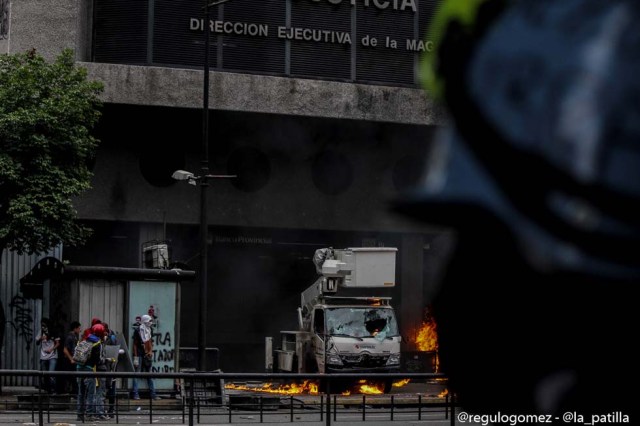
(88, 331)
(49, 343)
(101, 382)
(143, 354)
(110, 339)
(87, 386)
(70, 342)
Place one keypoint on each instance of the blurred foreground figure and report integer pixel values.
(539, 175)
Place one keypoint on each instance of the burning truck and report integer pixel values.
(340, 333)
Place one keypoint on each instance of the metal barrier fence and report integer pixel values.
(195, 405)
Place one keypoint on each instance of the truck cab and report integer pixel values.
(359, 337)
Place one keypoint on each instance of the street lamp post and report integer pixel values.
(203, 181)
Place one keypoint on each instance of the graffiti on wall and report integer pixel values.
(163, 349)
(158, 300)
(22, 319)
(163, 353)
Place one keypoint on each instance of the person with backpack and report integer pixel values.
(87, 331)
(87, 356)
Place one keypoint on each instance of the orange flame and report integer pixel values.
(308, 386)
(443, 394)
(427, 337)
(369, 388)
(363, 387)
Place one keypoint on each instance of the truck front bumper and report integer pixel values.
(351, 369)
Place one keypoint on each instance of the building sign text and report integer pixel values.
(304, 34)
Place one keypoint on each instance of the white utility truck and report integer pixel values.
(340, 333)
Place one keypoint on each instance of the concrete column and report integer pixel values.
(48, 26)
(411, 285)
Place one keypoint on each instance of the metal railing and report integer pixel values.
(195, 405)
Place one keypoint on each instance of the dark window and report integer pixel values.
(318, 321)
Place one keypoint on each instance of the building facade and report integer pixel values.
(314, 105)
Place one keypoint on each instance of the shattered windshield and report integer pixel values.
(362, 322)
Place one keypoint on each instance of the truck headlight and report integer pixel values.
(334, 360)
(394, 359)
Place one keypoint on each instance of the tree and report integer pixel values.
(47, 111)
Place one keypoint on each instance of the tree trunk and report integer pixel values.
(3, 318)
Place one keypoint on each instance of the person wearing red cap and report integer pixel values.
(88, 331)
(101, 331)
(87, 385)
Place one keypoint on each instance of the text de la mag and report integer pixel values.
(307, 34)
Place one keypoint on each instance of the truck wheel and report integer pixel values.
(388, 385)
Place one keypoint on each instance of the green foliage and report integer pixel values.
(47, 110)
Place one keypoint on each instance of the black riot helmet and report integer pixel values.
(545, 102)
(539, 175)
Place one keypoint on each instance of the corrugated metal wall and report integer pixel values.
(102, 299)
(19, 350)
